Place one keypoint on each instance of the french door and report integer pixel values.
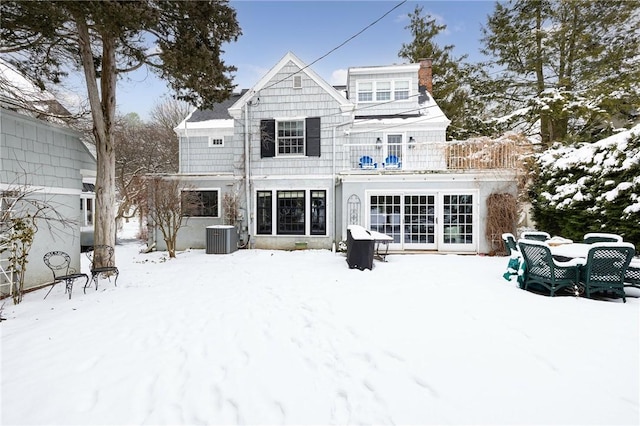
(425, 220)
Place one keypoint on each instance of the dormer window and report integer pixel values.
(383, 91)
(365, 92)
(401, 90)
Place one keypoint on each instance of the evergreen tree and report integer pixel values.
(570, 67)
(451, 76)
(590, 187)
(106, 39)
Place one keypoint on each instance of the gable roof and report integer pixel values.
(236, 109)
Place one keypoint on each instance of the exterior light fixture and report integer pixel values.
(412, 142)
(378, 143)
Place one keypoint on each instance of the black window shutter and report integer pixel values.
(267, 138)
(313, 136)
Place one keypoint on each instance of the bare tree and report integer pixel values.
(168, 201)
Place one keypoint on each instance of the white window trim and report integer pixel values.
(197, 189)
(297, 81)
(304, 137)
(216, 138)
(374, 90)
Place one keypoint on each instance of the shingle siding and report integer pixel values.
(47, 154)
(278, 99)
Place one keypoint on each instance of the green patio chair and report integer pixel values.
(510, 244)
(599, 237)
(605, 269)
(632, 275)
(535, 235)
(543, 271)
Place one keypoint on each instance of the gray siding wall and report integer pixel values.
(278, 99)
(192, 233)
(196, 156)
(49, 158)
(49, 155)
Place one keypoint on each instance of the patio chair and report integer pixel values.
(605, 269)
(535, 235)
(542, 270)
(392, 162)
(102, 254)
(510, 244)
(598, 237)
(632, 275)
(60, 264)
(366, 162)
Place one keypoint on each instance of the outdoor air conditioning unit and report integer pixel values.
(221, 239)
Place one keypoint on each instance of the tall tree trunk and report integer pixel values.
(103, 107)
(545, 122)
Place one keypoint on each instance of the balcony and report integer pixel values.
(431, 156)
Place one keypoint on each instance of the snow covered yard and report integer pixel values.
(272, 337)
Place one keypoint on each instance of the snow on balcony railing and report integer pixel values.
(430, 156)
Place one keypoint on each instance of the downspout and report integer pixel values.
(247, 174)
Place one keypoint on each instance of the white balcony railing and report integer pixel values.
(432, 156)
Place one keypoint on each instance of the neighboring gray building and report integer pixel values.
(54, 166)
(305, 160)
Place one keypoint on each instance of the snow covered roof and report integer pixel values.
(18, 93)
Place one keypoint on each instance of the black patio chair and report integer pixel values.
(102, 255)
(60, 264)
(542, 270)
(605, 269)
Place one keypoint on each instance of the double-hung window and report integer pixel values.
(199, 203)
(401, 90)
(365, 92)
(383, 91)
(290, 137)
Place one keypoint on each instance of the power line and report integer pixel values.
(339, 46)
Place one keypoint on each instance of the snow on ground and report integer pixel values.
(275, 337)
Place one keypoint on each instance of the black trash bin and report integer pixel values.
(360, 248)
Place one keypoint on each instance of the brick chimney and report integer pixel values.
(425, 80)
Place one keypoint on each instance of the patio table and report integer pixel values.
(566, 252)
(384, 240)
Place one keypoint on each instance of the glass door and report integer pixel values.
(458, 222)
(419, 221)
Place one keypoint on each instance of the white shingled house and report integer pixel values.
(305, 160)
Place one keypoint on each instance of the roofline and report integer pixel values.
(380, 69)
(235, 110)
